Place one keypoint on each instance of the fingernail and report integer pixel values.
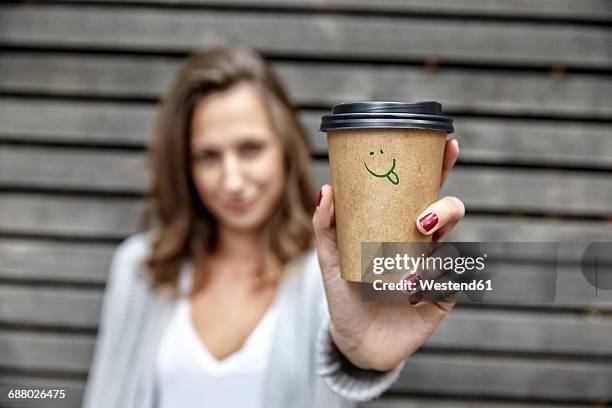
(416, 298)
(428, 221)
(319, 196)
(413, 281)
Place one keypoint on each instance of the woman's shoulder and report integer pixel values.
(305, 274)
(303, 266)
(134, 249)
(297, 265)
(124, 288)
(129, 258)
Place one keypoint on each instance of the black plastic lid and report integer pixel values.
(380, 114)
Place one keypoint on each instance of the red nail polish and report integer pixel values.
(414, 283)
(416, 298)
(428, 221)
(320, 196)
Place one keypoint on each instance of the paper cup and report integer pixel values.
(386, 161)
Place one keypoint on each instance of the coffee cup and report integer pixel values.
(386, 161)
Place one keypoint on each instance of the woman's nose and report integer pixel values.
(233, 178)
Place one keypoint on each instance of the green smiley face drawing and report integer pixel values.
(391, 175)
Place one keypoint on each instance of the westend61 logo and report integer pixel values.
(496, 272)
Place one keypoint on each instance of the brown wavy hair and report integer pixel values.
(183, 227)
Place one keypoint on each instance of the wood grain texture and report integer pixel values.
(69, 216)
(372, 37)
(50, 306)
(492, 189)
(110, 217)
(428, 373)
(80, 122)
(74, 393)
(78, 93)
(388, 401)
(53, 352)
(511, 377)
(589, 10)
(48, 261)
(468, 329)
(482, 140)
(74, 169)
(322, 84)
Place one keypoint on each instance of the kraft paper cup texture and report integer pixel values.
(375, 209)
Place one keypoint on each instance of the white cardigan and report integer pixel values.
(305, 367)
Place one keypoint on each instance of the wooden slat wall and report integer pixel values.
(528, 83)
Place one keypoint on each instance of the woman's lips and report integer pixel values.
(240, 207)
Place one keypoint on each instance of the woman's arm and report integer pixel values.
(336, 377)
(344, 377)
(100, 390)
(374, 335)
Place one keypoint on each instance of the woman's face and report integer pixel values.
(237, 158)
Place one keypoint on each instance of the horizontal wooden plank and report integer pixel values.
(64, 216)
(372, 37)
(33, 351)
(514, 141)
(426, 373)
(119, 217)
(463, 329)
(522, 332)
(323, 84)
(74, 169)
(483, 140)
(53, 307)
(590, 10)
(99, 123)
(525, 229)
(399, 401)
(73, 390)
(539, 191)
(74, 393)
(44, 260)
(497, 189)
(508, 377)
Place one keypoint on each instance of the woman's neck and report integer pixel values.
(240, 257)
(244, 247)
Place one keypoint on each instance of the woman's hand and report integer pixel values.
(376, 335)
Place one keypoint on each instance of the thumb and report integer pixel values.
(324, 223)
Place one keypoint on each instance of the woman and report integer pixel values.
(223, 301)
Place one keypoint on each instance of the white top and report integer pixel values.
(187, 375)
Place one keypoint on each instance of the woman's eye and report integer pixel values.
(251, 148)
(205, 156)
